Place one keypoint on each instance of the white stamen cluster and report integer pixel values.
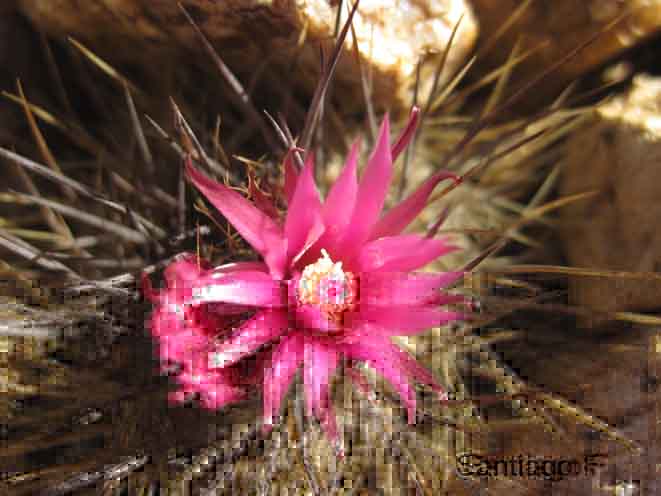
(324, 283)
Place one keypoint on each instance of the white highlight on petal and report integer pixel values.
(175, 308)
(215, 293)
(221, 359)
(218, 360)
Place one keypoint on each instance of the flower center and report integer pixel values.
(327, 286)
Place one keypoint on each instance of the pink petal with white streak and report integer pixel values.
(402, 253)
(286, 358)
(403, 288)
(242, 288)
(405, 361)
(257, 228)
(402, 214)
(304, 224)
(402, 320)
(241, 267)
(371, 195)
(321, 361)
(265, 327)
(391, 371)
(407, 135)
(339, 204)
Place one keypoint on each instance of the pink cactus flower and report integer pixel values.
(338, 280)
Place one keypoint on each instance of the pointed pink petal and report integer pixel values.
(401, 215)
(401, 320)
(257, 228)
(403, 360)
(291, 175)
(304, 213)
(338, 207)
(241, 288)
(307, 250)
(402, 288)
(371, 194)
(415, 369)
(285, 361)
(263, 328)
(402, 253)
(380, 360)
(382, 349)
(407, 134)
(320, 364)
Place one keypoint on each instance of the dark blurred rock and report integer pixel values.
(562, 25)
(616, 380)
(19, 50)
(618, 155)
(250, 33)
